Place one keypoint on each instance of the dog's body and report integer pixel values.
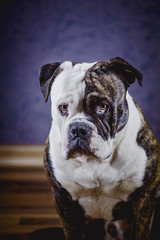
(102, 158)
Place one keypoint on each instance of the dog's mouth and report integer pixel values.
(78, 152)
(78, 149)
(81, 151)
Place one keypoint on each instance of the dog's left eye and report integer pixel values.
(63, 108)
(102, 108)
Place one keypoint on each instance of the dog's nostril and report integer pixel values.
(82, 132)
(74, 132)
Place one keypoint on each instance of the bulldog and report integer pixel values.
(101, 156)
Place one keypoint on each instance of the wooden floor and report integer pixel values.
(26, 202)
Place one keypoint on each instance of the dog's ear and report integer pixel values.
(47, 75)
(125, 71)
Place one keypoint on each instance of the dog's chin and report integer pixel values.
(84, 155)
(78, 153)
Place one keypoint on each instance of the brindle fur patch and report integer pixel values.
(103, 86)
(147, 140)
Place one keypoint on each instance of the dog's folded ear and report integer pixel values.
(47, 75)
(124, 71)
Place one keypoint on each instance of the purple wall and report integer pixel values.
(37, 32)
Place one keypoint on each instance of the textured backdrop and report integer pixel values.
(37, 32)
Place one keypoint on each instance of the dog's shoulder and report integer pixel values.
(147, 140)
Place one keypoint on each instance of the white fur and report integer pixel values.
(97, 183)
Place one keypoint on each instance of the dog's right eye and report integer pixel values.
(102, 108)
(63, 108)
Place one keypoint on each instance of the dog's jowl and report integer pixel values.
(102, 159)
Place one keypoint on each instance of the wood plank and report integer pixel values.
(25, 223)
(23, 173)
(21, 150)
(25, 161)
(13, 211)
(21, 155)
(23, 186)
(24, 199)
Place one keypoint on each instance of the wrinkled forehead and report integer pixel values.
(104, 84)
(70, 80)
(78, 80)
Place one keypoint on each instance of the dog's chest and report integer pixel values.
(99, 204)
(98, 187)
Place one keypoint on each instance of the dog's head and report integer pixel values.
(89, 105)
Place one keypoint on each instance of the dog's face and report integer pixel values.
(89, 105)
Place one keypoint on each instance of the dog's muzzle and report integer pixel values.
(79, 138)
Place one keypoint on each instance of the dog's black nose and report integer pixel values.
(79, 130)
